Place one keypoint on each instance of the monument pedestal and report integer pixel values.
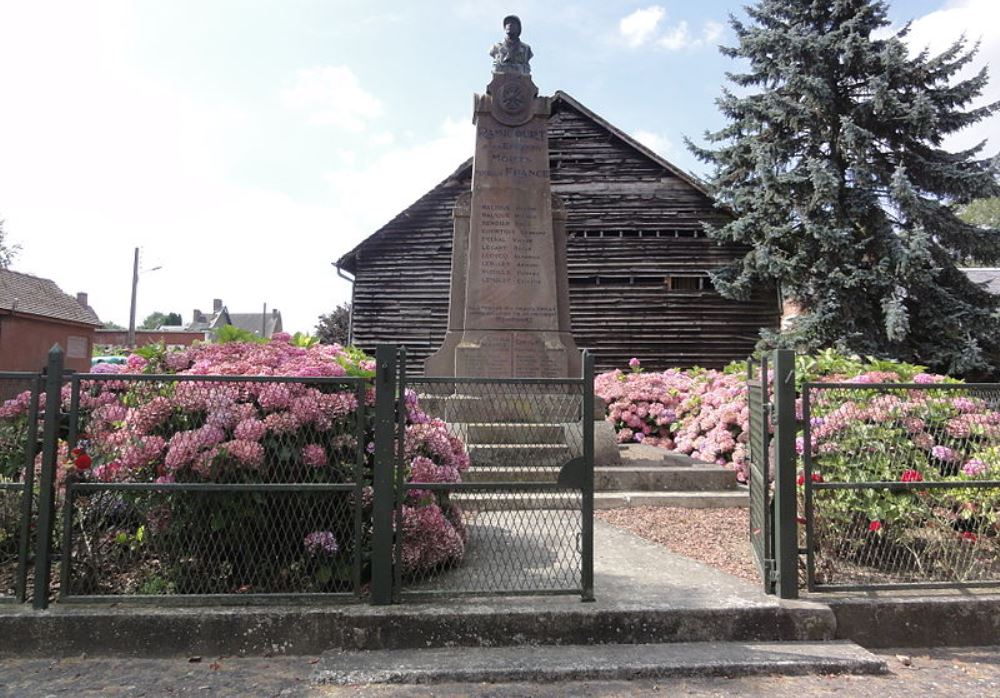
(509, 314)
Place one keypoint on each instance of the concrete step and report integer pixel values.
(618, 478)
(598, 662)
(514, 433)
(519, 455)
(569, 499)
(500, 404)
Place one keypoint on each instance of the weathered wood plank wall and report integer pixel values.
(632, 225)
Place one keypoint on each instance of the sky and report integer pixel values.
(245, 145)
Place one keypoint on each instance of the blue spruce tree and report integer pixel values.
(833, 165)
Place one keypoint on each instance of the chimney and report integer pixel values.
(81, 298)
(197, 316)
(274, 312)
(216, 305)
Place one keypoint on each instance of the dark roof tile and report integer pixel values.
(34, 295)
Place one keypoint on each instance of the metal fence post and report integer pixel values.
(46, 487)
(786, 539)
(383, 481)
(587, 503)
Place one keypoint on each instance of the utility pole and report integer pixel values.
(135, 284)
(263, 323)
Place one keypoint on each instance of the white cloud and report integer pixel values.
(978, 20)
(676, 37)
(680, 37)
(713, 31)
(332, 95)
(643, 27)
(640, 26)
(656, 142)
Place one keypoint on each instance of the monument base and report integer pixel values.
(506, 353)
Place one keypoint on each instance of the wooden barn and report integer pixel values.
(637, 253)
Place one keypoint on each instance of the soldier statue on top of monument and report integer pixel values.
(511, 55)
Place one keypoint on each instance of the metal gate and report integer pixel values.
(521, 496)
(761, 506)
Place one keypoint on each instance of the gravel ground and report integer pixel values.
(939, 672)
(716, 537)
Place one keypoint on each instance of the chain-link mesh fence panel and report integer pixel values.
(11, 510)
(233, 485)
(20, 433)
(901, 485)
(511, 515)
(150, 540)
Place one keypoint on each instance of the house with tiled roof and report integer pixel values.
(263, 324)
(35, 314)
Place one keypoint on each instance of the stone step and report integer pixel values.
(519, 455)
(514, 433)
(569, 499)
(619, 478)
(598, 662)
(517, 404)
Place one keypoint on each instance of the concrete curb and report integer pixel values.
(605, 663)
(153, 632)
(926, 621)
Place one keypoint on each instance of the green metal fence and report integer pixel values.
(773, 527)
(900, 485)
(759, 480)
(523, 510)
(198, 489)
(19, 438)
(259, 495)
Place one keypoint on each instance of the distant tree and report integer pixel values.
(982, 212)
(156, 319)
(7, 252)
(832, 164)
(334, 327)
(112, 326)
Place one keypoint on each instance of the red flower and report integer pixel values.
(969, 536)
(800, 519)
(874, 526)
(82, 462)
(911, 476)
(801, 479)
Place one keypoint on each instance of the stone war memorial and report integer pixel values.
(509, 304)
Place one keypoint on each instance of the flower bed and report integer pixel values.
(244, 432)
(859, 434)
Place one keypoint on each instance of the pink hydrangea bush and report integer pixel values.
(700, 413)
(858, 434)
(205, 431)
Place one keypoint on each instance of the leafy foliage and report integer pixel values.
(982, 212)
(832, 163)
(231, 333)
(7, 252)
(157, 319)
(334, 327)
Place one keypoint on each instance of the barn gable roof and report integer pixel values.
(463, 173)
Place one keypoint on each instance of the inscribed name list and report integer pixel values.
(511, 281)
